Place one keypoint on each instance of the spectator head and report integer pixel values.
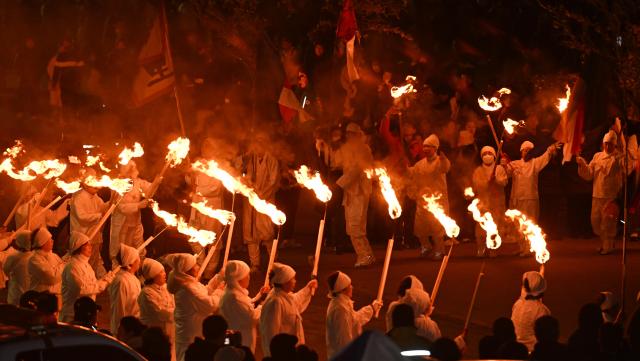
(283, 277)
(130, 327)
(403, 316)
(590, 317)
(214, 328)
(283, 347)
(304, 353)
(340, 283)
(153, 272)
(156, 344)
(230, 353)
(547, 329)
(85, 311)
(47, 303)
(504, 330)
(445, 349)
(534, 284)
(513, 350)
(29, 300)
(41, 239)
(408, 282)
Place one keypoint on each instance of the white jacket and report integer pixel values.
(86, 211)
(4, 254)
(79, 280)
(607, 172)
(237, 308)
(45, 272)
(49, 217)
(128, 210)
(354, 157)
(488, 184)
(525, 176)
(157, 307)
(344, 323)
(427, 328)
(123, 298)
(16, 268)
(429, 176)
(281, 313)
(524, 315)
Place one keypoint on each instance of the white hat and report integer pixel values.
(488, 149)
(42, 235)
(419, 300)
(342, 282)
(23, 240)
(151, 268)
(432, 141)
(282, 273)
(77, 240)
(235, 271)
(128, 255)
(536, 283)
(465, 137)
(415, 282)
(229, 353)
(182, 262)
(353, 128)
(526, 145)
(610, 137)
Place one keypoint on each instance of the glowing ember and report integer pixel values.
(74, 160)
(510, 125)
(221, 215)
(468, 192)
(485, 221)
(119, 185)
(234, 185)
(92, 160)
(395, 210)
(15, 150)
(178, 150)
(68, 188)
(533, 234)
(397, 92)
(493, 104)
(563, 103)
(450, 226)
(201, 236)
(104, 168)
(313, 182)
(127, 154)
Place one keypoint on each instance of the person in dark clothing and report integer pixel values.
(613, 346)
(304, 353)
(583, 342)
(633, 333)
(548, 348)
(85, 312)
(446, 349)
(282, 348)
(130, 332)
(156, 345)
(513, 350)
(29, 299)
(404, 332)
(214, 330)
(503, 333)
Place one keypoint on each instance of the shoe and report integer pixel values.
(366, 261)
(436, 256)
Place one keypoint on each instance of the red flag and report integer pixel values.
(347, 28)
(570, 130)
(290, 106)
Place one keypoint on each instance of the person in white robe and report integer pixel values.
(45, 267)
(16, 267)
(529, 307)
(125, 288)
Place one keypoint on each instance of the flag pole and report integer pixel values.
(167, 44)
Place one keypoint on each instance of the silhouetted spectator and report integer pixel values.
(633, 333)
(282, 348)
(445, 349)
(513, 350)
(47, 303)
(156, 345)
(85, 312)
(230, 353)
(613, 347)
(214, 330)
(29, 299)
(503, 332)
(130, 332)
(583, 342)
(404, 332)
(547, 348)
(304, 353)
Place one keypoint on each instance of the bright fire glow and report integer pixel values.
(127, 154)
(15, 150)
(201, 236)
(221, 215)
(68, 188)
(48, 168)
(104, 168)
(468, 192)
(395, 210)
(178, 150)
(563, 103)
(234, 185)
(74, 160)
(533, 234)
(92, 160)
(313, 181)
(493, 239)
(119, 185)
(510, 125)
(397, 92)
(450, 226)
(493, 104)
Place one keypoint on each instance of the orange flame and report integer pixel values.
(395, 210)
(68, 188)
(178, 150)
(493, 104)
(14, 151)
(533, 234)
(92, 160)
(48, 168)
(233, 185)
(74, 160)
(201, 236)
(397, 92)
(119, 185)
(313, 182)
(127, 154)
(468, 192)
(563, 103)
(510, 125)
(221, 215)
(432, 205)
(493, 239)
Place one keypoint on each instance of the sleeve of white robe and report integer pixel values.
(501, 176)
(586, 171)
(540, 162)
(45, 272)
(302, 298)
(270, 321)
(84, 211)
(428, 328)
(91, 286)
(122, 294)
(340, 329)
(153, 301)
(203, 302)
(363, 315)
(54, 217)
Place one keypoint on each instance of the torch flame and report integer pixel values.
(104, 168)
(313, 182)
(468, 192)
(178, 150)
(221, 215)
(395, 210)
(68, 188)
(432, 205)
(493, 104)
(493, 239)
(563, 103)
(119, 185)
(533, 233)
(127, 154)
(74, 160)
(233, 185)
(48, 168)
(510, 125)
(92, 160)
(397, 92)
(14, 151)
(201, 236)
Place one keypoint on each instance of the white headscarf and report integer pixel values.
(282, 273)
(419, 300)
(128, 255)
(342, 282)
(23, 240)
(77, 240)
(432, 141)
(151, 268)
(182, 262)
(41, 237)
(526, 145)
(537, 283)
(235, 271)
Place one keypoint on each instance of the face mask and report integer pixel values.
(487, 159)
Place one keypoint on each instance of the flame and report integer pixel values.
(450, 226)
(233, 185)
(68, 188)
(201, 236)
(397, 92)
(92, 160)
(563, 103)
(395, 210)
(313, 181)
(510, 125)
(493, 104)
(127, 154)
(493, 239)
(104, 168)
(51, 168)
(178, 150)
(14, 151)
(119, 185)
(533, 234)
(74, 160)
(223, 216)
(468, 192)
